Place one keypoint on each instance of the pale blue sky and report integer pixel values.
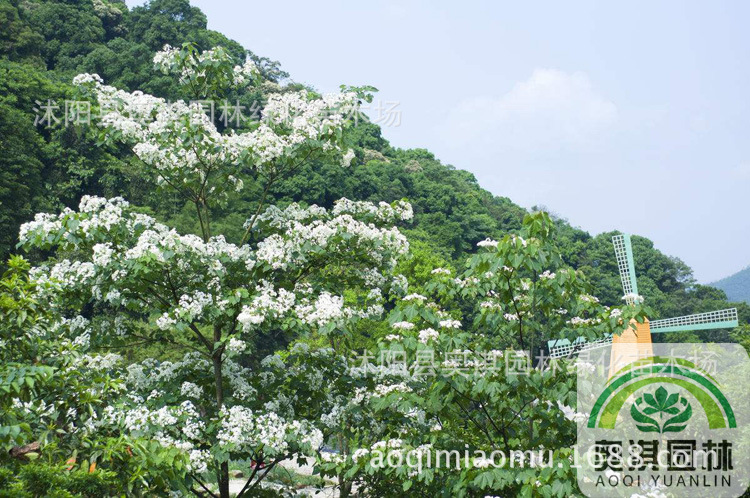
(627, 115)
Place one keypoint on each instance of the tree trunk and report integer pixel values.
(345, 487)
(222, 474)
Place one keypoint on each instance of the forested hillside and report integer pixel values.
(45, 43)
(737, 286)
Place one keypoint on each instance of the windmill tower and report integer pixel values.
(632, 345)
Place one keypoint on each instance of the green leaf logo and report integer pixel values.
(661, 412)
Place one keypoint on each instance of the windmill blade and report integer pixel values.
(559, 348)
(624, 255)
(722, 319)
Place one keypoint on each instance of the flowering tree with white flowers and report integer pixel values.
(296, 270)
(260, 329)
(470, 378)
(53, 390)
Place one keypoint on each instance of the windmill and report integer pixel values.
(634, 344)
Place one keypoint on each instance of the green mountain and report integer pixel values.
(737, 286)
(43, 44)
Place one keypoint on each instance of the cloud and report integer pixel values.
(552, 109)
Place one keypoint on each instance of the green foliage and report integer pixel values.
(69, 31)
(48, 396)
(40, 479)
(736, 286)
(418, 265)
(17, 39)
(515, 293)
(173, 22)
(23, 149)
(44, 43)
(49, 169)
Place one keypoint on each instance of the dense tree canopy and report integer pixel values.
(45, 43)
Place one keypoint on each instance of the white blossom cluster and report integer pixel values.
(450, 324)
(466, 282)
(427, 335)
(111, 277)
(100, 218)
(309, 119)
(245, 430)
(64, 274)
(157, 127)
(97, 362)
(517, 239)
(177, 426)
(245, 73)
(403, 325)
(191, 390)
(238, 377)
(333, 418)
(587, 298)
(347, 158)
(383, 212)
(571, 414)
(413, 297)
(632, 297)
(236, 346)
(240, 429)
(315, 311)
(490, 305)
(171, 59)
(268, 302)
(325, 309)
(150, 374)
(577, 320)
(441, 271)
(360, 453)
(386, 389)
(326, 231)
(166, 58)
